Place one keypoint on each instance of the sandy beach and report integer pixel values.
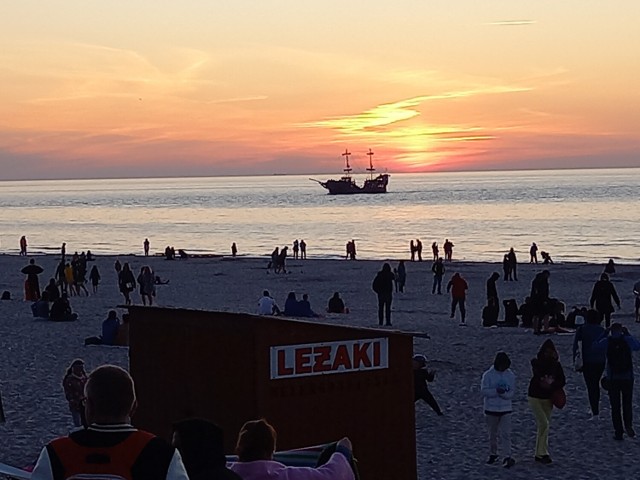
(35, 353)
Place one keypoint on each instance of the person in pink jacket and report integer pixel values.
(255, 447)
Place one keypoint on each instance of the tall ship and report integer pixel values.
(346, 185)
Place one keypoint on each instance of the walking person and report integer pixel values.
(601, 296)
(23, 246)
(618, 345)
(147, 284)
(73, 385)
(547, 378)
(126, 282)
(421, 377)
(593, 359)
(383, 286)
(458, 287)
(438, 273)
(498, 386)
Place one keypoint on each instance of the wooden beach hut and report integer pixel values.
(314, 382)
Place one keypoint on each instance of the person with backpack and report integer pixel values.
(618, 344)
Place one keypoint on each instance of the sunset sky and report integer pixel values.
(119, 88)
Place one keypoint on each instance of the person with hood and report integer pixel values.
(201, 445)
(601, 296)
(458, 288)
(593, 360)
(383, 286)
(498, 386)
(619, 345)
(546, 379)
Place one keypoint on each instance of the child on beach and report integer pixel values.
(73, 385)
(497, 387)
(421, 375)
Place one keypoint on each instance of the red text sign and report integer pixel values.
(289, 361)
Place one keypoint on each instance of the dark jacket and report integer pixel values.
(420, 378)
(588, 334)
(603, 292)
(541, 367)
(602, 345)
(383, 283)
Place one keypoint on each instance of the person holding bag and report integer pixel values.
(547, 381)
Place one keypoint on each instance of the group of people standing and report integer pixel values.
(415, 248)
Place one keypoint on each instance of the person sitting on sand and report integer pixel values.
(526, 313)
(61, 310)
(546, 258)
(267, 305)
(121, 450)
(52, 290)
(183, 254)
(40, 309)
(421, 377)
(610, 267)
(498, 387)
(73, 385)
(109, 331)
(305, 307)
(257, 444)
(201, 445)
(336, 305)
(291, 306)
(510, 313)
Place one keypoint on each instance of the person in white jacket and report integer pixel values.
(498, 385)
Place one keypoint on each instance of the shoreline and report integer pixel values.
(35, 353)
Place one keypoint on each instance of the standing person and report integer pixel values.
(296, 249)
(348, 249)
(94, 276)
(513, 261)
(506, 267)
(121, 449)
(419, 249)
(117, 266)
(23, 246)
(274, 259)
(401, 278)
(448, 250)
(234, 249)
(60, 276)
(547, 378)
(438, 273)
(126, 282)
(63, 251)
(618, 347)
(533, 253)
(601, 296)
(147, 284)
(539, 301)
(593, 359)
(73, 385)
(498, 386)
(69, 280)
(421, 377)
(353, 249)
(383, 286)
(32, 283)
(435, 250)
(458, 288)
(303, 250)
(493, 302)
(412, 249)
(145, 245)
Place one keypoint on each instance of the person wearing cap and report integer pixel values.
(73, 384)
(421, 377)
(593, 359)
(601, 296)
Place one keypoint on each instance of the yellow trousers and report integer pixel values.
(542, 411)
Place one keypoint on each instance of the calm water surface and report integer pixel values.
(576, 215)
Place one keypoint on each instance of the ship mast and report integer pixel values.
(370, 169)
(347, 169)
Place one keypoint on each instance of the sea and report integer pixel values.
(574, 215)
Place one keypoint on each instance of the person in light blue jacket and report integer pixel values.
(497, 387)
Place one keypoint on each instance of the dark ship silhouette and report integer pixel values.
(347, 186)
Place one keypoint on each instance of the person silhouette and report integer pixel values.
(533, 253)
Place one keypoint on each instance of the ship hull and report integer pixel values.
(349, 187)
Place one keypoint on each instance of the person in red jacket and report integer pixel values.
(458, 288)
